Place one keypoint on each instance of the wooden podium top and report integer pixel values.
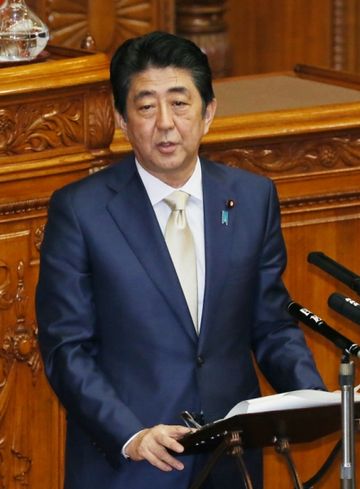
(308, 99)
(60, 67)
(276, 92)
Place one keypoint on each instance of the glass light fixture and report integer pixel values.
(23, 36)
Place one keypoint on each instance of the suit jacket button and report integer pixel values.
(200, 361)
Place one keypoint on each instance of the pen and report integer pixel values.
(189, 420)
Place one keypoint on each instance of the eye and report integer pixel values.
(179, 103)
(180, 106)
(146, 107)
(146, 110)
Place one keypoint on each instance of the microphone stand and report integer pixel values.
(346, 381)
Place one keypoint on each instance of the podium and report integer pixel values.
(278, 429)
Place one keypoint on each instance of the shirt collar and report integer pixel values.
(157, 190)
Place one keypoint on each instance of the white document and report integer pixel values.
(288, 400)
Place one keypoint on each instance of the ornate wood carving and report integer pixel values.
(327, 201)
(18, 346)
(101, 120)
(40, 126)
(74, 21)
(5, 299)
(204, 23)
(38, 236)
(20, 207)
(20, 342)
(22, 477)
(290, 157)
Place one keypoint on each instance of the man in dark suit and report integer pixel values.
(126, 346)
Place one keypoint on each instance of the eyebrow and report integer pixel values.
(149, 93)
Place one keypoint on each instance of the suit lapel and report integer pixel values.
(217, 190)
(132, 211)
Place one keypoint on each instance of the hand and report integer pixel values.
(151, 444)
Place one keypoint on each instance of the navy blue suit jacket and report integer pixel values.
(117, 339)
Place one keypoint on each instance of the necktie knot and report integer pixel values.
(177, 200)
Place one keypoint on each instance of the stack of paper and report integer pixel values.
(288, 400)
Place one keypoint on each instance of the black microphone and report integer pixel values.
(335, 269)
(345, 306)
(317, 324)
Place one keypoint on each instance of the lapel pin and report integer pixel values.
(225, 217)
(229, 204)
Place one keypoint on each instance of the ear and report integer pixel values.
(121, 122)
(209, 115)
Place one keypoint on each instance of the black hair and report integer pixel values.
(158, 50)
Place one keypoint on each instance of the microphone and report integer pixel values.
(317, 324)
(345, 306)
(335, 269)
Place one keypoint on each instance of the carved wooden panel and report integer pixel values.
(25, 128)
(204, 23)
(71, 21)
(56, 125)
(293, 156)
(29, 414)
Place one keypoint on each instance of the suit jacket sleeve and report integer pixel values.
(278, 343)
(67, 334)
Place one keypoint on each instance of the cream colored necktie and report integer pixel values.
(181, 246)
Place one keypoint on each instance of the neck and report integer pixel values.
(173, 179)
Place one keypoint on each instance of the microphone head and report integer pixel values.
(345, 306)
(335, 301)
(314, 255)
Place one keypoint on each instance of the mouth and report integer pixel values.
(166, 147)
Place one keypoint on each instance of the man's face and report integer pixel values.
(165, 122)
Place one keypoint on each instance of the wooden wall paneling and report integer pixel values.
(204, 23)
(329, 221)
(251, 36)
(56, 123)
(30, 416)
(345, 21)
(319, 213)
(316, 167)
(275, 35)
(108, 22)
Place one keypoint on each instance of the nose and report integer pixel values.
(165, 117)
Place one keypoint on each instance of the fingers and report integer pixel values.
(152, 444)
